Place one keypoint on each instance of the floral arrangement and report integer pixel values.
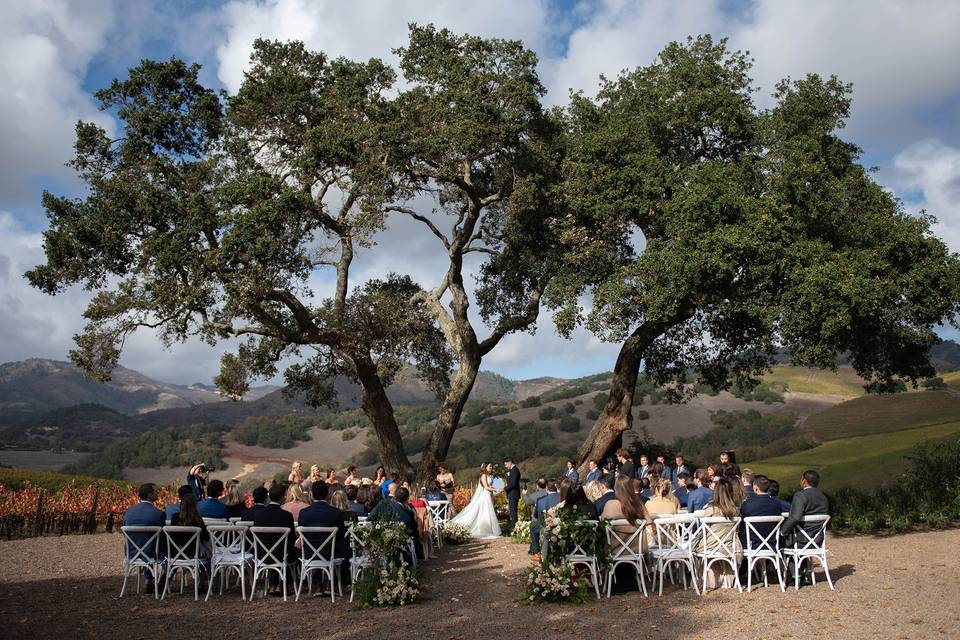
(521, 532)
(569, 530)
(461, 498)
(397, 585)
(554, 583)
(455, 533)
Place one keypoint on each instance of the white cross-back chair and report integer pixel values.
(230, 553)
(719, 544)
(317, 549)
(625, 548)
(578, 556)
(360, 560)
(214, 521)
(762, 547)
(235, 519)
(439, 511)
(675, 542)
(183, 554)
(141, 557)
(807, 547)
(269, 555)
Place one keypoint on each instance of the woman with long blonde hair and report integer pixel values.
(296, 475)
(294, 501)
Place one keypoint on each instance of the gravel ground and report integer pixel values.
(889, 587)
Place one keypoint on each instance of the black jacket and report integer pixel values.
(512, 488)
(806, 502)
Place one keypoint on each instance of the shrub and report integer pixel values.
(349, 434)
(752, 434)
(548, 413)
(934, 384)
(532, 401)
(569, 408)
(570, 424)
(578, 402)
(592, 414)
(554, 583)
(600, 400)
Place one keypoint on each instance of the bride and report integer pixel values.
(479, 516)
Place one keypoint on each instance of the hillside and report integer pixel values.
(883, 414)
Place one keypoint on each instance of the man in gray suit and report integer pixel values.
(530, 499)
(809, 501)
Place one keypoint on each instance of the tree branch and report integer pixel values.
(513, 323)
(413, 214)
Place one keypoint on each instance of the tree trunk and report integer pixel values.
(449, 418)
(379, 409)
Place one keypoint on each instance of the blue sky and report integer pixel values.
(901, 58)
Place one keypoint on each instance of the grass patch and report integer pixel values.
(842, 382)
(883, 414)
(952, 379)
(863, 461)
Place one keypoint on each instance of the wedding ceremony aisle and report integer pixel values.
(886, 587)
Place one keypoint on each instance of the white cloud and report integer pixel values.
(45, 47)
(933, 168)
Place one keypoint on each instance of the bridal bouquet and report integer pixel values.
(554, 583)
(455, 533)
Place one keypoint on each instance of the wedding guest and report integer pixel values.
(433, 493)
(260, 497)
(352, 492)
(746, 478)
(212, 506)
(761, 503)
(594, 473)
(663, 501)
(732, 474)
(627, 468)
(235, 500)
(683, 487)
(399, 510)
(273, 515)
(379, 476)
(681, 467)
(607, 493)
(390, 481)
(723, 505)
(530, 497)
(146, 514)
(594, 490)
(725, 458)
(644, 486)
(189, 516)
(698, 499)
(626, 505)
(775, 492)
(296, 475)
(371, 499)
(171, 509)
(340, 500)
(543, 505)
(655, 471)
(572, 498)
(713, 472)
(294, 501)
(352, 477)
(809, 501)
(322, 514)
(665, 470)
(571, 473)
(644, 466)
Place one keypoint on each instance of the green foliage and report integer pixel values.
(273, 432)
(348, 435)
(502, 438)
(83, 427)
(569, 408)
(570, 424)
(14, 479)
(751, 434)
(600, 401)
(532, 401)
(548, 413)
(174, 447)
(476, 412)
(934, 384)
(761, 392)
(592, 414)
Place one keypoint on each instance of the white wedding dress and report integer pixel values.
(480, 517)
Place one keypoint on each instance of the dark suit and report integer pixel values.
(321, 514)
(628, 469)
(512, 489)
(250, 513)
(144, 514)
(758, 505)
(642, 471)
(603, 500)
(274, 516)
(596, 474)
(806, 502)
(543, 505)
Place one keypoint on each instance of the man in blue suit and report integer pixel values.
(539, 511)
(702, 495)
(213, 506)
(321, 514)
(594, 474)
(608, 494)
(145, 514)
(761, 503)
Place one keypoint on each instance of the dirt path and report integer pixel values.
(898, 587)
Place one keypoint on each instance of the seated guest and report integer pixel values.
(415, 500)
(732, 475)
(235, 500)
(655, 471)
(627, 468)
(353, 492)
(663, 501)
(189, 516)
(809, 501)
(146, 514)
(212, 506)
(273, 515)
(761, 503)
(386, 484)
(399, 510)
(746, 478)
(775, 492)
(683, 487)
(372, 499)
(294, 500)
(260, 497)
(644, 467)
(171, 509)
(607, 493)
(572, 498)
(702, 494)
(723, 505)
(543, 505)
(644, 485)
(434, 494)
(323, 514)
(626, 505)
(594, 473)
(530, 497)
(593, 491)
(681, 467)
(665, 470)
(571, 473)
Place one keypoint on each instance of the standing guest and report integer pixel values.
(332, 476)
(296, 475)
(626, 505)
(746, 478)
(644, 468)
(145, 514)
(607, 493)
(260, 496)
(723, 505)
(530, 498)
(445, 478)
(775, 492)
(213, 506)
(234, 499)
(379, 476)
(571, 473)
(340, 500)
(356, 506)
(698, 499)
(761, 503)
(294, 501)
(171, 509)
(683, 487)
(627, 468)
(725, 458)
(197, 479)
(316, 475)
(433, 493)
(322, 514)
(594, 474)
(543, 505)
(681, 467)
(352, 477)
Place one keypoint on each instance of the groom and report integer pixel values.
(512, 489)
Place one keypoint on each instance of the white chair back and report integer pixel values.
(762, 544)
(269, 556)
(439, 511)
(317, 544)
(183, 553)
(807, 544)
(229, 544)
(625, 545)
(141, 551)
(718, 537)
